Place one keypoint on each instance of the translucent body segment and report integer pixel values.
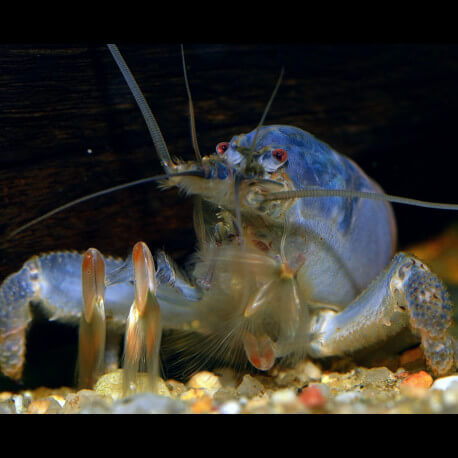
(257, 300)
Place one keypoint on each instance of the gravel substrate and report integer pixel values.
(303, 389)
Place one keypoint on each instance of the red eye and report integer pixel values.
(280, 154)
(222, 147)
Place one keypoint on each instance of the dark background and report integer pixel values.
(391, 107)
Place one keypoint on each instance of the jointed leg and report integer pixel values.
(52, 282)
(406, 295)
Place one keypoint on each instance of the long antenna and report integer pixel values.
(264, 114)
(98, 194)
(198, 213)
(150, 120)
(317, 192)
(191, 110)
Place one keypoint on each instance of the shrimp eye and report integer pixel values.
(222, 147)
(280, 155)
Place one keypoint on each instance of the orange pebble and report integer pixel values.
(312, 397)
(418, 380)
(39, 406)
(202, 405)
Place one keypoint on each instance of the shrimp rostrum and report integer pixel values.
(296, 258)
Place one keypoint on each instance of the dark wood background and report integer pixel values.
(393, 108)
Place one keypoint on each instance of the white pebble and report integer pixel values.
(231, 407)
(205, 380)
(450, 397)
(312, 371)
(18, 404)
(445, 383)
(348, 396)
(243, 400)
(286, 396)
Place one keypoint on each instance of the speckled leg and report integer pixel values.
(15, 295)
(53, 283)
(405, 295)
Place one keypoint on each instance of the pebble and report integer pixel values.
(450, 398)
(206, 381)
(148, 403)
(284, 396)
(43, 392)
(312, 397)
(420, 380)
(230, 407)
(21, 402)
(47, 405)
(111, 384)
(287, 378)
(286, 401)
(378, 376)
(227, 377)
(175, 388)
(348, 396)
(191, 394)
(97, 406)
(309, 370)
(226, 393)
(303, 373)
(7, 407)
(258, 404)
(90, 402)
(71, 404)
(87, 402)
(446, 383)
(249, 387)
(434, 403)
(202, 405)
(416, 386)
(59, 399)
(6, 396)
